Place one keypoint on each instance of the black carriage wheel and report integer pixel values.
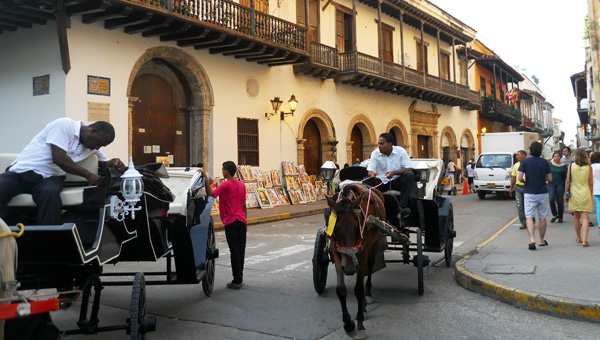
(208, 281)
(320, 262)
(139, 325)
(449, 237)
(419, 256)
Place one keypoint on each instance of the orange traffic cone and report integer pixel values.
(466, 189)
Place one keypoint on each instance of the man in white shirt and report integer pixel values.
(41, 167)
(391, 166)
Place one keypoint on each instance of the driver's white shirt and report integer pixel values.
(381, 164)
(37, 155)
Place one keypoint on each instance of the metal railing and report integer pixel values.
(236, 17)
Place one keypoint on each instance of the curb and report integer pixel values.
(535, 302)
(278, 217)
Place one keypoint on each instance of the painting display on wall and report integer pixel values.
(263, 198)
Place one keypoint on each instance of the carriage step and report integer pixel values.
(390, 230)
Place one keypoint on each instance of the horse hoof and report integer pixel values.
(349, 327)
(360, 335)
(369, 299)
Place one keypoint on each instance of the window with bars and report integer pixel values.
(247, 141)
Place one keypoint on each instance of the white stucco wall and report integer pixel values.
(24, 115)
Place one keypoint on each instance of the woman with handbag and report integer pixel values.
(556, 188)
(595, 159)
(579, 186)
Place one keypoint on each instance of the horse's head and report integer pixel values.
(346, 236)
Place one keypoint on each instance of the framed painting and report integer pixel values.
(273, 197)
(251, 201)
(263, 198)
(282, 196)
(301, 197)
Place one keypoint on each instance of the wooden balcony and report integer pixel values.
(221, 26)
(363, 70)
(323, 63)
(497, 111)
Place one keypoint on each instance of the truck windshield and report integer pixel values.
(494, 161)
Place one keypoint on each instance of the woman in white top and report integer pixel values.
(595, 159)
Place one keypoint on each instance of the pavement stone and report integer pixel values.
(559, 279)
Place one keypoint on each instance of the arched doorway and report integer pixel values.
(448, 145)
(358, 149)
(159, 127)
(191, 97)
(467, 147)
(313, 155)
(397, 129)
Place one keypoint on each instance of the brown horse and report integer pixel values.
(355, 244)
(8, 252)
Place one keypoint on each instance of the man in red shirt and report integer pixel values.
(233, 212)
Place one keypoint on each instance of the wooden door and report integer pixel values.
(313, 158)
(419, 68)
(313, 16)
(357, 146)
(445, 66)
(158, 127)
(423, 146)
(388, 45)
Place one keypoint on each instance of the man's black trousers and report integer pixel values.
(403, 184)
(45, 192)
(236, 239)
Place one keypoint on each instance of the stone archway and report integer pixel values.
(368, 134)
(326, 130)
(201, 98)
(448, 139)
(467, 146)
(398, 128)
(423, 124)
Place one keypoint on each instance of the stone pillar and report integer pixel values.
(300, 142)
(130, 104)
(349, 151)
(332, 153)
(200, 136)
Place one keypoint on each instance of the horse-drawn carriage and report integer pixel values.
(362, 224)
(100, 226)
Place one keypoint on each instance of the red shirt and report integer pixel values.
(232, 196)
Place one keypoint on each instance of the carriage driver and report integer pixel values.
(40, 168)
(390, 165)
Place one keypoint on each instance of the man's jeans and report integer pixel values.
(519, 196)
(557, 193)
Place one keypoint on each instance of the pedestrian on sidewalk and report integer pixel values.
(567, 157)
(457, 172)
(557, 187)
(595, 159)
(580, 183)
(535, 173)
(233, 212)
(451, 169)
(470, 173)
(518, 188)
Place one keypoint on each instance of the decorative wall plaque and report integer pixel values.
(98, 85)
(41, 85)
(98, 111)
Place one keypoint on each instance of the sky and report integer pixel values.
(543, 38)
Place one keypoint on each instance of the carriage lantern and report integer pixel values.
(328, 169)
(132, 189)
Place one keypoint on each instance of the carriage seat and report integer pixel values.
(71, 195)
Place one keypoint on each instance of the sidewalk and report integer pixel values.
(256, 216)
(560, 279)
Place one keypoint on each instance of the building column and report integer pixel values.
(130, 104)
(300, 142)
(200, 136)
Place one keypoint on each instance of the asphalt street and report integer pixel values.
(278, 300)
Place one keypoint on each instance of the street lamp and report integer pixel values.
(483, 129)
(328, 169)
(276, 104)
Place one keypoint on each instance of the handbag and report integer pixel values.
(568, 192)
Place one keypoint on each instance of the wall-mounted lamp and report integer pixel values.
(276, 104)
(483, 129)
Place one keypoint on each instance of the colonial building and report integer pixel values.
(203, 80)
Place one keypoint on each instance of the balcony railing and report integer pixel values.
(233, 16)
(495, 110)
(362, 63)
(324, 54)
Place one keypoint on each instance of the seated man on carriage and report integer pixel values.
(390, 168)
(41, 167)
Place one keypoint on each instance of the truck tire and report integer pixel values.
(481, 194)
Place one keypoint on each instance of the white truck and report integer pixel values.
(498, 155)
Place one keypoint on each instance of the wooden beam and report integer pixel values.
(157, 22)
(184, 37)
(256, 50)
(62, 22)
(228, 42)
(133, 19)
(229, 48)
(110, 13)
(246, 46)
